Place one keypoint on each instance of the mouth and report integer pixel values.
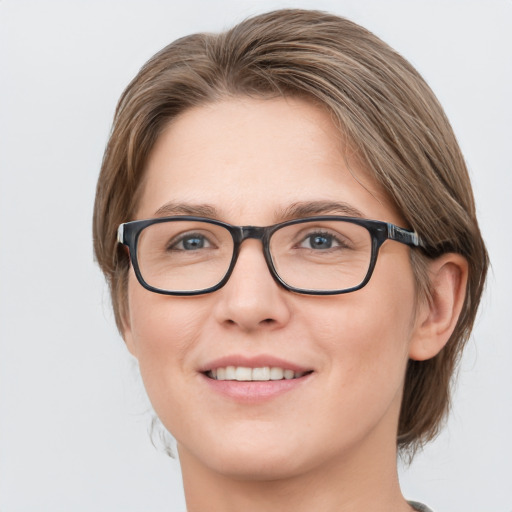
(254, 379)
(250, 374)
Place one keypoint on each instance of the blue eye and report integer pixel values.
(319, 241)
(190, 242)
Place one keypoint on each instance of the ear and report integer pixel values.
(436, 318)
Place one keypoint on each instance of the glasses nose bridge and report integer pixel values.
(255, 232)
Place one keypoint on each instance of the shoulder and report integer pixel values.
(419, 507)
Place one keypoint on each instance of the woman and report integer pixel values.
(288, 230)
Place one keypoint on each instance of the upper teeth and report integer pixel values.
(243, 373)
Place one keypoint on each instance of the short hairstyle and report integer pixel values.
(386, 114)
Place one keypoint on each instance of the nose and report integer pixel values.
(252, 299)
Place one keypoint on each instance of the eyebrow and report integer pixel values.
(294, 211)
(198, 210)
(312, 208)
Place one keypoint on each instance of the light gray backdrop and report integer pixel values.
(73, 419)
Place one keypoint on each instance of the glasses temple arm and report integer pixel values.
(404, 236)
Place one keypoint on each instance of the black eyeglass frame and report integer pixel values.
(128, 234)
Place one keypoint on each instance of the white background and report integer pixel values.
(73, 418)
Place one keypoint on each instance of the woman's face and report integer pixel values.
(251, 162)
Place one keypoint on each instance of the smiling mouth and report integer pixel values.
(247, 374)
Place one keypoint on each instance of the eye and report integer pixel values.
(320, 241)
(190, 242)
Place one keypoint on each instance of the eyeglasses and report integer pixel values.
(326, 255)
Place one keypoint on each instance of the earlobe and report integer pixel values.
(437, 317)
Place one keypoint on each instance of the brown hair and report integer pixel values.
(383, 108)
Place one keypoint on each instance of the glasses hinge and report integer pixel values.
(120, 234)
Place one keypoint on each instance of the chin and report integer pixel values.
(254, 457)
(258, 466)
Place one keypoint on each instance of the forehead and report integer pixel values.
(250, 158)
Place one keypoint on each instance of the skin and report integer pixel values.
(328, 444)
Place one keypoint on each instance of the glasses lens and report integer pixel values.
(184, 256)
(322, 255)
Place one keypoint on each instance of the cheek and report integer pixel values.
(163, 332)
(163, 329)
(361, 323)
(366, 333)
